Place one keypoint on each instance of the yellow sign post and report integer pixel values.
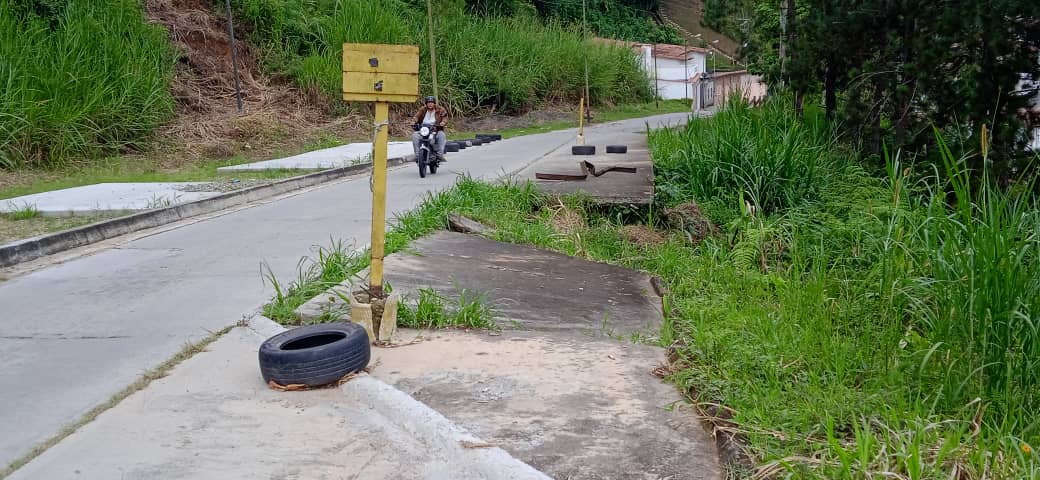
(380, 74)
(581, 122)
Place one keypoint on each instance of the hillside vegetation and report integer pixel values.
(509, 63)
(85, 79)
(79, 78)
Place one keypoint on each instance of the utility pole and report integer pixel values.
(234, 56)
(657, 84)
(686, 69)
(587, 102)
(783, 38)
(433, 48)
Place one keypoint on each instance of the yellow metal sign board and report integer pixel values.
(380, 73)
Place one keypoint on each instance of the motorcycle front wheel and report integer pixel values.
(422, 162)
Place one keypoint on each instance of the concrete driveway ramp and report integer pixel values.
(570, 406)
(530, 288)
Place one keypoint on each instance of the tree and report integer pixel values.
(891, 69)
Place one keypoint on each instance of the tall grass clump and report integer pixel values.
(974, 292)
(78, 79)
(304, 40)
(509, 63)
(514, 63)
(856, 326)
(773, 158)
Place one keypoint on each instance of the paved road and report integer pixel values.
(74, 334)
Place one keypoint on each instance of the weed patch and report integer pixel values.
(433, 310)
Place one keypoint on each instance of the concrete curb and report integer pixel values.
(433, 429)
(36, 247)
(425, 424)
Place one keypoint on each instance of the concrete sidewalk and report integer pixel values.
(213, 418)
(341, 156)
(106, 198)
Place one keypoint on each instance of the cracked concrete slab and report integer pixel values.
(568, 405)
(556, 388)
(531, 288)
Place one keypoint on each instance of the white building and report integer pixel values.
(1029, 87)
(670, 68)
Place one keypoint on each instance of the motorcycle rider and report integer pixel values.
(431, 115)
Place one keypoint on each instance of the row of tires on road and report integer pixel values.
(591, 149)
(456, 145)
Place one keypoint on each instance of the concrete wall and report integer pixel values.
(670, 75)
(670, 90)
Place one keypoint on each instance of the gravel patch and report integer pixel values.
(224, 186)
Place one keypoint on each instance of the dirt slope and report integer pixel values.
(687, 15)
(208, 123)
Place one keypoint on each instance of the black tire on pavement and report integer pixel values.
(477, 142)
(583, 150)
(315, 355)
(451, 147)
(617, 148)
(433, 168)
(423, 163)
(462, 144)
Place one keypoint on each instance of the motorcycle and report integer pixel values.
(427, 156)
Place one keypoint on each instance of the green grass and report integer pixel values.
(431, 310)
(615, 19)
(855, 325)
(774, 159)
(23, 212)
(512, 63)
(79, 78)
(12, 228)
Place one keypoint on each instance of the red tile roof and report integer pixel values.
(674, 52)
(661, 50)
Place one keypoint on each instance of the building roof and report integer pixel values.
(660, 50)
(721, 74)
(674, 52)
(615, 42)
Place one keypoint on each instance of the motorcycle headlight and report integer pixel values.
(424, 131)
